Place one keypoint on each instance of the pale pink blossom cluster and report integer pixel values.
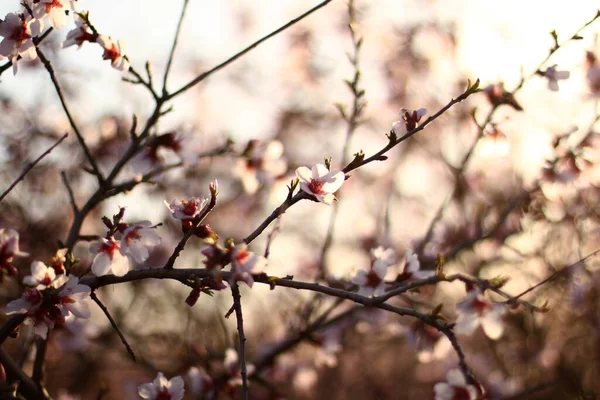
(455, 387)
(476, 310)
(410, 120)
(261, 163)
(370, 281)
(50, 299)
(20, 31)
(9, 249)
(113, 255)
(162, 388)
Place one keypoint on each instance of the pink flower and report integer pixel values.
(262, 162)
(9, 248)
(108, 258)
(137, 239)
(244, 263)
(114, 51)
(476, 310)
(42, 277)
(56, 10)
(18, 31)
(232, 365)
(409, 121)
(429, 343)
(198, 380)
(73, 298)
(187, 209)
(162, 389)
(456, 387)
(554, 76)
(81, 33)
(371, 281)
(413, 266)
(320, 182)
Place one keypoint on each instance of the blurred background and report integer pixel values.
(498, 214)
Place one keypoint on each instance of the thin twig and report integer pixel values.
(225, 63)
(30, 166)
(63, 175)
(174, 46)
(80, 138)
(26, 385)
(113, 324)
(237, 304)
(38, 364)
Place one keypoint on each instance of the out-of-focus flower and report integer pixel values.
(74, 333)
(157, 149)
(187, 209)
(81, 33)
(412, 268)
(199, 381)
(244, 263)
(371, 281)
(593, 72)
(554, 76)
(498, 96)
(108, 258)
(320, 182)
(476, 310)
(137, 239)
(494, 143)
(58, 261)
(429, 343)
(232, 366)
(262, 162)
(114, 51)
(42, 277)
(162, 389)
(410, 120)
(456, 387)
(18, 31)
(56, 10)
(9, 249)
(327, 353)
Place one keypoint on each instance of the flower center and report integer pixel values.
(461, 393)
(134, 234)
(189, 207)
(19, 33)
(110, 248)
(111, 54)
(316, 186)
(53, 4)
(163, 394)
(373, 280)
(480, 306)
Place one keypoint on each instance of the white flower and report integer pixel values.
(136, 240)
(108, 258)
(18, 31)
(476, 310)
(554, 76)
(54, 9)
(409, 121)
(114, 51)
(198, 380)
(320, 182)
(456, 387)
(73, 298)
(162, 389)
(383, 254)
(30, 300)
(79, 34)
(9, 249)
(262, 162)
(413, 266)
(370, 282)
(187, 209)
(244, 263)
(43, 276)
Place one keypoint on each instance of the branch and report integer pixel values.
(26, 385)
(113, 324)
(237, 304)
(30, 166)
(225, 63)
(80, 138)
(175, 40)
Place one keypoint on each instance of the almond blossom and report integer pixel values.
(320, 182)
(244, 263)
(476, 310)
(81, 33)
(43, 276)
(429, 343)
(162, 388)
(409, 121)
(137, 239)
(199, 381)
(108, 258)
(114, 51)
(56, 10)
(262, 162)
(44, 309)
(231, 363)
(456, 387)
(371, 281)
(412, 268)
(554, 76)
(187, 209)
(9, 249)
(18, 31)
